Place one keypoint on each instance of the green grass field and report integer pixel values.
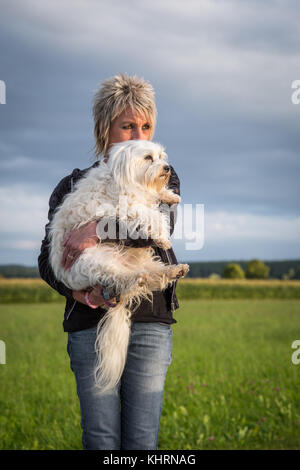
(231, 385)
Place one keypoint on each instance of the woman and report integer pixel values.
(128, 416)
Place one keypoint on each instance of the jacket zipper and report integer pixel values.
(173, 287)
(71, 310)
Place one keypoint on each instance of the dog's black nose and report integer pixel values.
(166, 168)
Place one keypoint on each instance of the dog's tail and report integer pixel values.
(113, 332)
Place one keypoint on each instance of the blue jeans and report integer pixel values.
(127, 416)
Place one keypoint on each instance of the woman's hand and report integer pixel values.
(95, 296)
(77, 241)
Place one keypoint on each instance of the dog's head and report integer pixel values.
(139, 162)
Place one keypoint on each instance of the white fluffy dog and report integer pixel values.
(136, 174)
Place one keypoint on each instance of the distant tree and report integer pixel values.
(289, 275)
(214, 276)
(257, 269)
(234, 271)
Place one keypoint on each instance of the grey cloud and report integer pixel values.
(222, 75)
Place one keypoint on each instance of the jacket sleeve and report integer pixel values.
(44, 265)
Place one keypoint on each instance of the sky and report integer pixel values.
(222, 71)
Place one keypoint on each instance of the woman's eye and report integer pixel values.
(146, 126)
(149, 157)
(129, 126)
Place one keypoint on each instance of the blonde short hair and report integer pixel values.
(113, 97)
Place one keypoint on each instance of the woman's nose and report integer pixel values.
(137, 134)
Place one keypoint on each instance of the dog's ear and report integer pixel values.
(164, 155)
(120, 166)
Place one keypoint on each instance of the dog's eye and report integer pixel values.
(149, 157)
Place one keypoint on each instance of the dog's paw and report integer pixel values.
(168, 196)
(142, 280)
(176, 199)
(184, 269)
(177, 271)
(164, 244)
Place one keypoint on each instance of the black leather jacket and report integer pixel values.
(78, 316)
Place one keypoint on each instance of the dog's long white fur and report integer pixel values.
(133, 272)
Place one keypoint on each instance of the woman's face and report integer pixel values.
(129, 126)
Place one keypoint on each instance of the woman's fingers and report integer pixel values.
(96, 295)
(71, 258)
(67, 236)
(65, 256)
(76, 241)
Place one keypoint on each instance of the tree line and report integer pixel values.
(252, 269)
